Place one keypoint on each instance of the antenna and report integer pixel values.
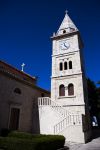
(22, 66)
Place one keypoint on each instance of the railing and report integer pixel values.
(68, 117)
(73, 119)
(46, 101)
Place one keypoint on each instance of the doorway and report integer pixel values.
(14, 118)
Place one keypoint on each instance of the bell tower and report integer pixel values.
(68, 82)
(66, 112)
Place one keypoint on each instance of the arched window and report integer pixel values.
(70, 64)
(65, 65)
(61, 90)
(17, 90)
(61, 66)
(70, 89)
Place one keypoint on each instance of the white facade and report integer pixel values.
(66, 49)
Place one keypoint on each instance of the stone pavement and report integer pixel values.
(93, 145)
(73, 146)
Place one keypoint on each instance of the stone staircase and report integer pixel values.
(46, 101)
(67, 118)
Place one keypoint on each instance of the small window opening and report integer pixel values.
(61, 66)
(64, 31)
(65, 65)
(17, 90)
(70, 64)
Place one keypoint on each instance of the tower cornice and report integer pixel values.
(56, 37)
(68, 76)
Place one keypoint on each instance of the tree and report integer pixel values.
(98, 82)
(94, 100)
(98, 104)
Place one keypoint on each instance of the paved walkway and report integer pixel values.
(73, 146)
(93, 145)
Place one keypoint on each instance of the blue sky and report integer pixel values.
(26, 28)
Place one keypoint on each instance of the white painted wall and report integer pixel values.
(74, 133)
(48, 118)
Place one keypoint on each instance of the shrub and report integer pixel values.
(24, 135)
(50, 142)
(26, 141)
(10, 143)
(4, 132)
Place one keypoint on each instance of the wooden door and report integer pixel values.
(14, 118)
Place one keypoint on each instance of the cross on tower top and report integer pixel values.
(66, 12)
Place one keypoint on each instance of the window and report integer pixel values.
(70, 64)
(17, 90)
(61, 90)
(65, 65)
(61, 66)
(64, 31)
(71, 89)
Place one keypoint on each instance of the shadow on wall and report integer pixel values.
(35, 115)
(86, 127)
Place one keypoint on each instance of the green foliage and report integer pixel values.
(19, 134)
(98, 82)
(10, 143)
(94, 99)
(4, 132)
(92, 96)
(26, 141)
(50, 142)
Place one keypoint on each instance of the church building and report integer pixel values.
(66, 112)
(18, 100)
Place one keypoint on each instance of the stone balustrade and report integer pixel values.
(68, 117)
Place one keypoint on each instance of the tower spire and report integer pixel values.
(67, 25)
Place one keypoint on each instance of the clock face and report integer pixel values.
(64, 45)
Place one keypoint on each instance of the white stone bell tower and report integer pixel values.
(68, 83)
(66, 112)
